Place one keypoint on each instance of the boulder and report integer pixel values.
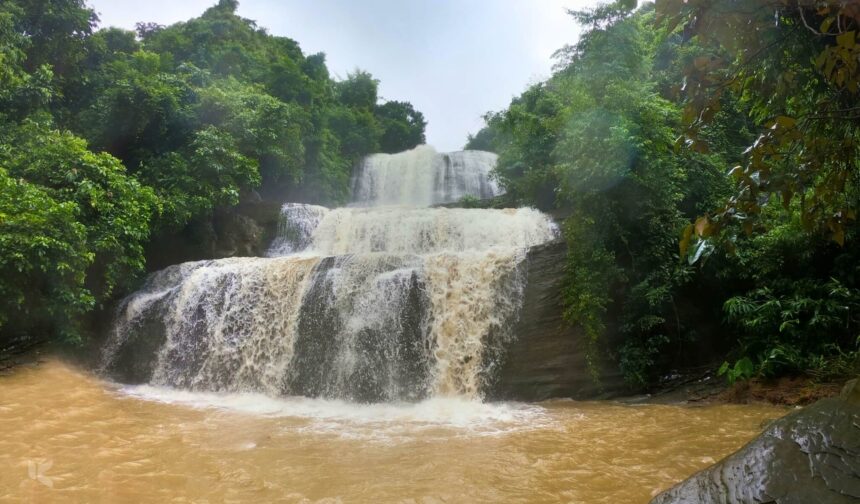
(809, 456)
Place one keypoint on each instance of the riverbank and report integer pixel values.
(703, 386)
(13, 357)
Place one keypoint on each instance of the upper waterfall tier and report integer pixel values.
(424, 177)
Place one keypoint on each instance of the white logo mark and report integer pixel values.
(36, 471)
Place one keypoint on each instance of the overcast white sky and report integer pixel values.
(453, 59)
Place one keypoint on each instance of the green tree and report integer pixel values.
(56, 32)
(402, 126)
(127, 135)
(20, 91)
(358, 90)
(596, 141)
(207, 173)
(113, 208)
(794, 65)
(265, 128)
(43, 262)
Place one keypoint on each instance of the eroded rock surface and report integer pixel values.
(810, 456)
(547, 357)
(245, 230)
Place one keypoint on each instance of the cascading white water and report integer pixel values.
(411, 230)
(295, 230)
(424, 177)
(371, 303)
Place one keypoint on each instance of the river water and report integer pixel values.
(67, 436)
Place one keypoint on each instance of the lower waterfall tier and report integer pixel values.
(361, 304)
(370, 327)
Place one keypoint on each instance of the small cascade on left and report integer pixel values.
(388, 300)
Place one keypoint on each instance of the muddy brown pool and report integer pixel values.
(67, 436)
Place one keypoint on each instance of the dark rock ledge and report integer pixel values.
(548, 357)
(811, 456)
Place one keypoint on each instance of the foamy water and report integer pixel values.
(388, 302)
(424, 177)
(381, 421)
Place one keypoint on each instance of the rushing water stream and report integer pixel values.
(349, 365)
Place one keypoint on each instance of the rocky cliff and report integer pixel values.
(548, 357)
(245, 230)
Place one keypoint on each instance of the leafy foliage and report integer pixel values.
(43, 260)
(801, 307)
(794, 65)
(598, 141)
(402, 126)
(112, 207)
(743, 369)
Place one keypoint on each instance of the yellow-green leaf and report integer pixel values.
(821, 59)
(686, 236)
(847, 40)
(839, 236)
(703, 225)
(786, 122)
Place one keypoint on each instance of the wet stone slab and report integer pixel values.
(810, 456)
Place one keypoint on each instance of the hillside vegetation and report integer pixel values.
(707, 154)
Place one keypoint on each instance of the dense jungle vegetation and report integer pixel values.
(707, 153)
(108, 137)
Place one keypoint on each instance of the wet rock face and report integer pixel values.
(547, 357)
(811, 456)
(241, 231)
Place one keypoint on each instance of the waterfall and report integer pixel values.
(296, 227)
(423, 177)
(368, 303)
(405, 230)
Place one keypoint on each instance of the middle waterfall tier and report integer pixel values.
(406, 230)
